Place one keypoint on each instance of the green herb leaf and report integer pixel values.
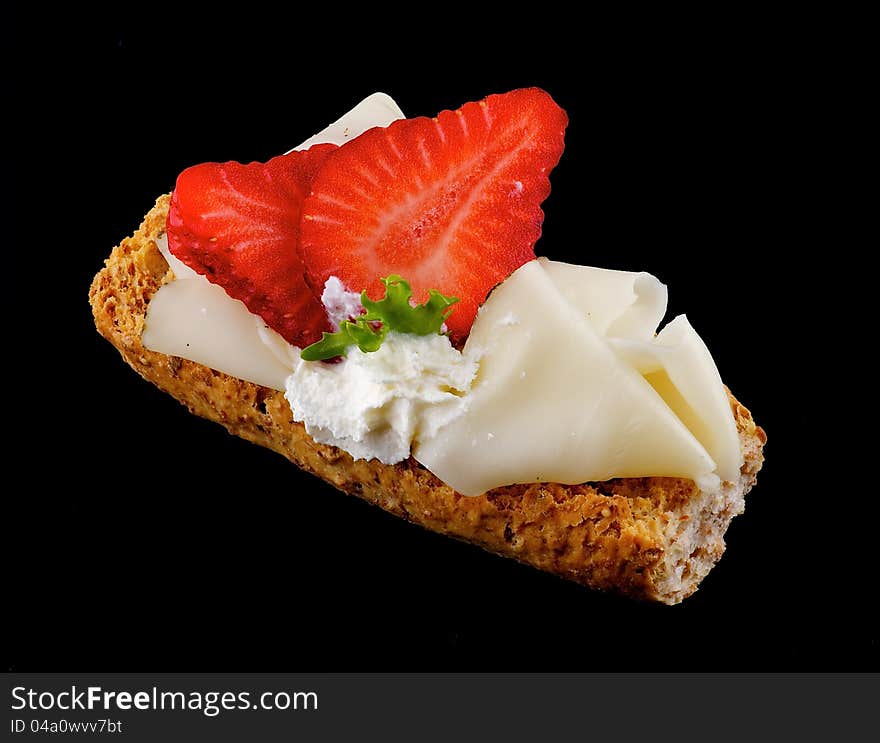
(393, 312)
(359, 333)
(396, 313)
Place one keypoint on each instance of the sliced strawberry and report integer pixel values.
(450, 203)
(239, 226)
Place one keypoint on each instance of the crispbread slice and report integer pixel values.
(653, 538)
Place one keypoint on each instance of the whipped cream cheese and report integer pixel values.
(375, 405)
(340, 303)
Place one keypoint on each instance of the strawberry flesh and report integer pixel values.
(450, 203)
(238, 225)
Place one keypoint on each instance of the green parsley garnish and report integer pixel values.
(393, 312)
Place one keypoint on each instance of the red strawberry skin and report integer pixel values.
(238, 225)
(450, 203)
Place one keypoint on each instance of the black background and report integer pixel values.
(141, 538)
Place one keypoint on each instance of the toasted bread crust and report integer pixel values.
(652, 538)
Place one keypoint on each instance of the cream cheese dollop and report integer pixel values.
(339, 303)
(375, 405)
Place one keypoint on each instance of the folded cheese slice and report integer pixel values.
(680, 368)
(627, 308)
(615, 303)
(555, 400)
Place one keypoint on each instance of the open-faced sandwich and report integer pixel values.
(370, 306)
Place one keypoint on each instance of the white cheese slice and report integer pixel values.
(627, 308)
(197, 320)
(180, 269)
(378, 109)
(552, 401)
(615, 303)
(679, 366)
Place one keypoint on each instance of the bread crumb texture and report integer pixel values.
(649, 538)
